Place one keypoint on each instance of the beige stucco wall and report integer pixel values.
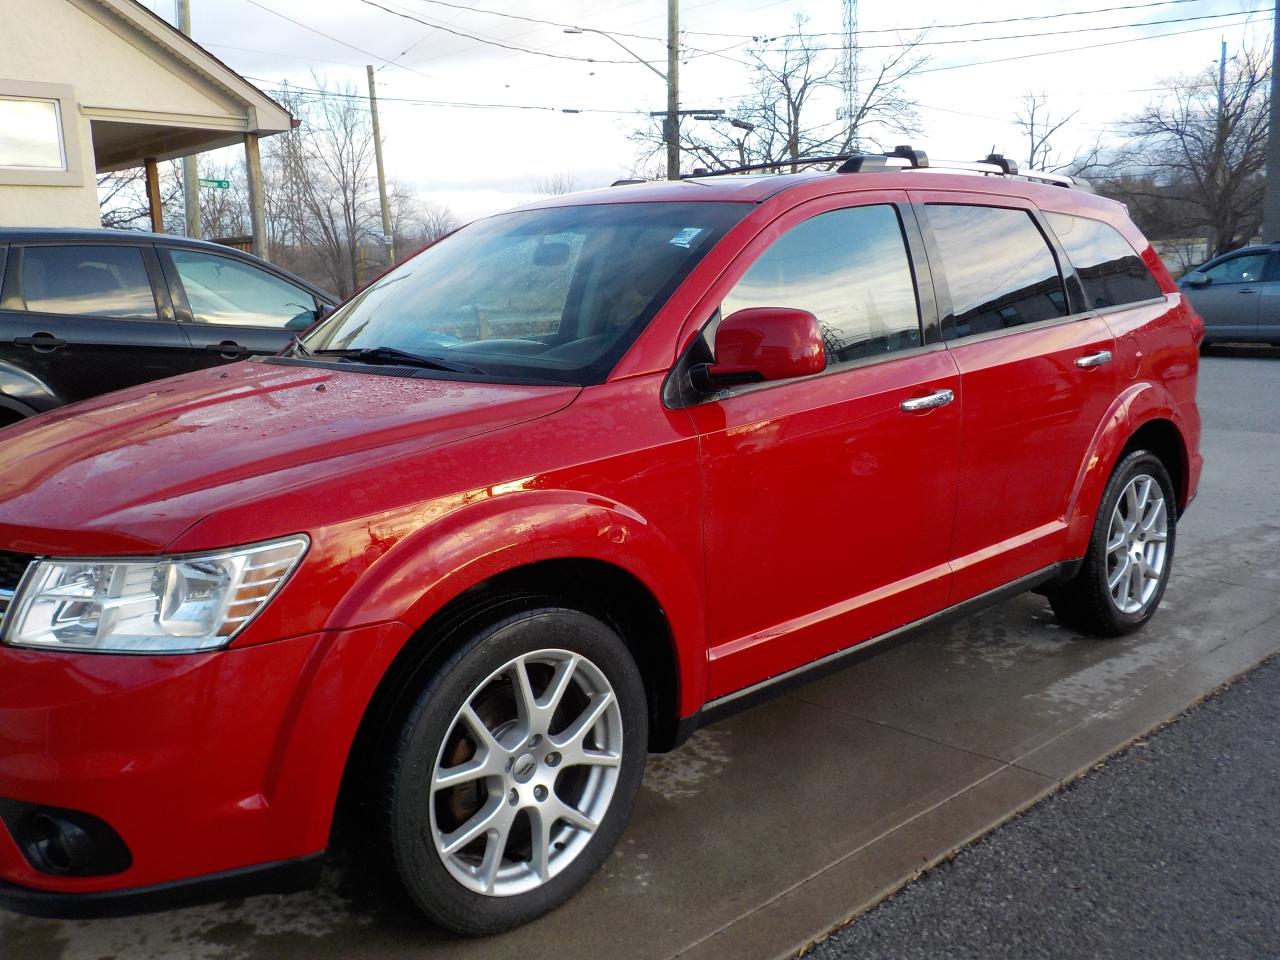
(72, 42)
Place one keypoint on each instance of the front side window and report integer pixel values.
(223, 290)
(31, 134)
(1244, 269)
(99, 281)
(1000, 270)
(555, 294)
(850, 269)
(1110, 270)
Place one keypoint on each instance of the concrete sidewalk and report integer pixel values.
(769, 829)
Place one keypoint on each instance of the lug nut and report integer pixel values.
(513, 797)
(540, 793)
(535, 740)
(553, 759)
(511, 762)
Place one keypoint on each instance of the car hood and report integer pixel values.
(130, 471)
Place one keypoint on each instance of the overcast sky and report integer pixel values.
(478, 161)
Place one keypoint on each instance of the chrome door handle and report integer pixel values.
(939, 398)
(1248, 290)
(1094, 359)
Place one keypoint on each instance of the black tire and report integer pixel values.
(1085, 602)
(466, 678)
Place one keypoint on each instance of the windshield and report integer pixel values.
(556, 294)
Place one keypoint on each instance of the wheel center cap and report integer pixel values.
(525, 767)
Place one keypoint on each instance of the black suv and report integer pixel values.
(84, 312)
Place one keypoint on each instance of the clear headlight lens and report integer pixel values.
(167, 605)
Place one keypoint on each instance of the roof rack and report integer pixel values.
(906, 157)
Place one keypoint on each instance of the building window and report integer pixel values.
(39, 126)
(31, 134)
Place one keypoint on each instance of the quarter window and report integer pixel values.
(225, 291)
(1000, 270)
(100, 281)
(1244, 269)
(1110, 271)
(850, 269)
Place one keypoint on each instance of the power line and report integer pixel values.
(489, 42)
(316, 93)
(950, 26)
(1091, 46)
(1057, 33)
(327, 36)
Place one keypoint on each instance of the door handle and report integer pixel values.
(41, 342)
(1094, 359)
(1248, 290)
(939, 398)
(227, 348)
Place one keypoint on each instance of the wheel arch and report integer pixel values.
(1143, 416)
(604, 590)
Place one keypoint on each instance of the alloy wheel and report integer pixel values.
(526, 773)
(1137, 544)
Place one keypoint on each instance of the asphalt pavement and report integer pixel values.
(1170, 849)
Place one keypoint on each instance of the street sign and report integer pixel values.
(220, 184)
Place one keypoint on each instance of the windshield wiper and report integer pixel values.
(296, 346)
(395, 355)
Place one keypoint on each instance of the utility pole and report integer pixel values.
(382, 176)
(190, 171)
(1222, 81)
(1271, 198)
(671, 125)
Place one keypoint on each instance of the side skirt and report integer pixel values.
(731, 703)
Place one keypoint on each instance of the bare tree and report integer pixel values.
(124, 205)
(556, 185)
(1196, 159)
(793, 108)
(416, 223)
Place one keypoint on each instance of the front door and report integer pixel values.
(232, 309)
(827, 504)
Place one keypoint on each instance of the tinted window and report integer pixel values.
(1244, 269)
(226, 291)
(1000, 271)
(849, 268)
(556, 293)
(1111, 272)
(101, 281)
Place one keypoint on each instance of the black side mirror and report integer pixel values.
(1197, 279)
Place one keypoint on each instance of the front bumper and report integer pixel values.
(209, 766)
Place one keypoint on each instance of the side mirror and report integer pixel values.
(1197, 279)
(763, 343)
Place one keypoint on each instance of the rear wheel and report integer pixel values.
(516, 770)
(1130, 556)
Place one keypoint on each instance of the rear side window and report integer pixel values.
(1111, 271)
(99, 281)
(1000, 270)
(225, 291)
(849, 268)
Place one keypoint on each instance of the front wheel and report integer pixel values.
(516, 770)
(1130, 554)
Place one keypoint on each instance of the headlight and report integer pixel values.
(167, 605)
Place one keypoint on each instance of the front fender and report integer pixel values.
(436, 563)
(1140, 403)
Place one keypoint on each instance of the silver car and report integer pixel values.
(1238, 295)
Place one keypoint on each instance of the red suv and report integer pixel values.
(549, 496)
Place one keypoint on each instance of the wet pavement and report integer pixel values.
(770, 828)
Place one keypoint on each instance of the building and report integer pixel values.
(92, 86)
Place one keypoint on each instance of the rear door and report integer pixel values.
(233, 309)
(1229, 303)
(1037, 376)
(86, 318)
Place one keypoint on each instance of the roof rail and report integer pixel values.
(906, 157)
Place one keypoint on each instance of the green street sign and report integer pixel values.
(220, 184)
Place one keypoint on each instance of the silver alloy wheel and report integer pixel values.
(1137, 544)
(544, 737)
